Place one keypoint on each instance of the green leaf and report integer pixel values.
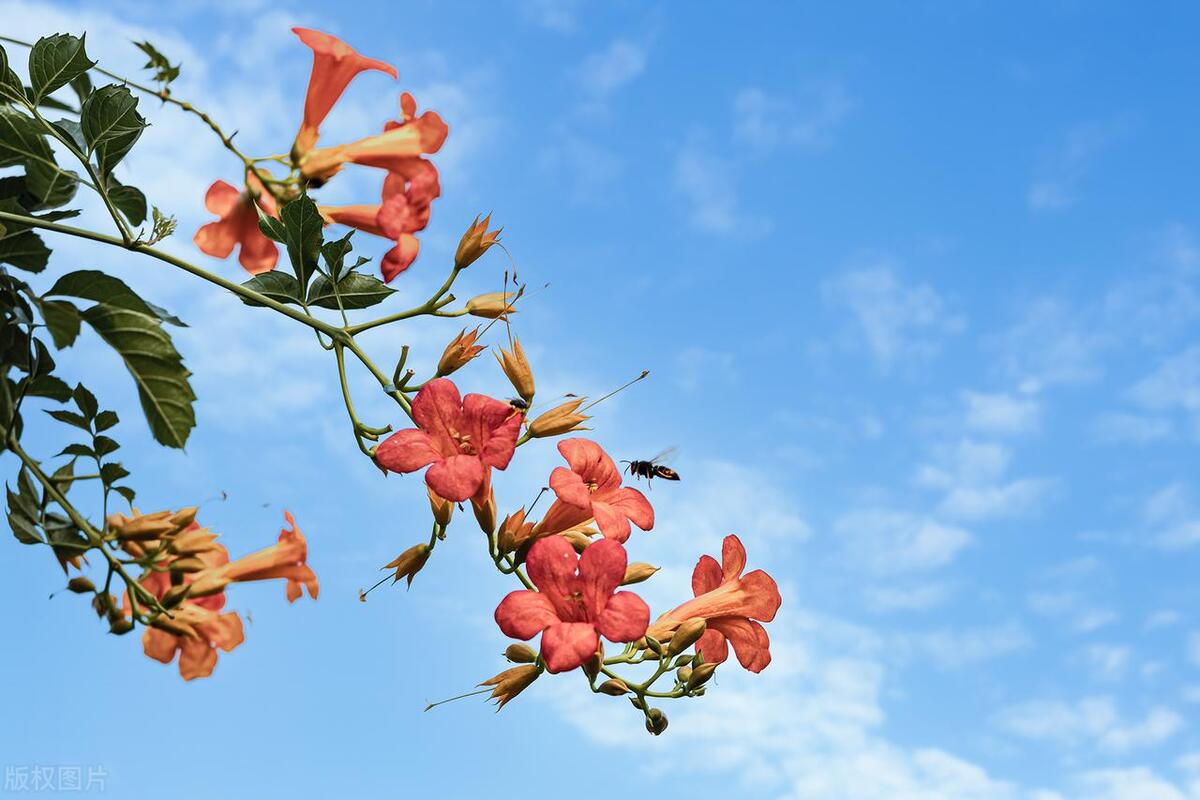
(105, 420)
(156, 367)
(50, 184)
(25, 251)
(130, 201)
(125, 492)
(62, 318)
(73, 131)
(112, 472)
(334, 255)
(81, 450)
(21, 141)
(279, 286)
(10, 84)
(86, 401)
(91, 284)
(82, 86)
(164, 73)
(55, 61)
(22, 527)
(111, 125)
(271, 227)
(71, 418)
(49, 386)
(105, 445)
(303, 225)
(355, 290)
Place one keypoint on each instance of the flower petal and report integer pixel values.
(437, 409)
(562, 516)
(713, 646)
(493, 428)
(407, 451)
(611, 521)
(524, 614)
(159, 645)
(566, 645)
(634, 505)
(570, 488)
(733, 557)
(221, 198)
(259, 254)
(762, 594)
(400, 257)
(601, 570)
(589, 460)
(749, 639)
(225, 632)
(217, 239)
(196, 658)
(552, 565)
(706, 576)
(456, 478)
(626, 616)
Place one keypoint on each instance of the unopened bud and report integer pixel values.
(101, 603)
(187, 565)
(184, 517)
(193, 542)
(514, 532)
(654, 645)
(512, 682)
(687, 635)
(578, 538)
(141, 527)
(656, 721)
(684, 674)
(442, 508)
(637, 572)
(520, 654)
(591, 667)
(409, 563)
(460, 350)
(700, 675)
(516, 367)
(208, 584)
(176, 627)
(485, 512)
(559, 420)
(614, 687)
(81, 585)
(494, 305)
(120, 627)
(475, 242)
(175, 595)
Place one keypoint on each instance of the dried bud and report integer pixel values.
(461, 350)
(187, 565)
(700, 675)
(409, 563)
(520, 654)
(193, 542)
(485, 512)
(495, 305)
(512, 682)
(514, 532)
(614, 687)
(637, 572)
(516, 367)
(559, 420)
(442, 508)
(184, 517)
(656, 721)
(475, 242)
(141, 527)
(687, 635)
(81, 585)
(120, 627)
(579, 538)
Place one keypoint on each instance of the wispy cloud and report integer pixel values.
(766, 121)
(1066, 165)
(708, 184)
(885, 542)
(1090, 721)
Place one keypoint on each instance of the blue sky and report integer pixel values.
(919, 289)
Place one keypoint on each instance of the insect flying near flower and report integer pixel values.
(653, 467)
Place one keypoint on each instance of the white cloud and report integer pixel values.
(918, 597)
(765, 121)
(1091, 721)
(1053, 343)
(896, 321)
(1109, 662)
(970, 473)
(951, 649)
(555, 15)
(603, 72)
(707, 183)
(697, 367)
(887, 542)
(1001, 413)
(1066, 166)
(589, 168)
(1173, 385)
(1172, 518)
(1133, 428)
(1080, 615)
(1133, 783)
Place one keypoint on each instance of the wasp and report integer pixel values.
(518, 404)
(653, 468)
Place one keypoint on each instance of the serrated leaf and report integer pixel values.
(70, 418)
(28, 497)
(25, 251)
(156, 367)
(130, 201)
(85, 400)
(23, 528)
(105, 445)
(125, 492)
(81, 450)
(112, 472)
(10, 84)
(334, 255)
(62, 319)
(164, 72)
(279, 286)
(105, 420)
(49, 184)
(72, 131)
(49, 386)
(91, 284)
(55, 60)
(111, 125)
(21, 141)
(355, 291)
(303, 225)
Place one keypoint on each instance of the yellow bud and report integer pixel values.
(485, 513)
(520, 654)
(494, 305)
(512, 682)
(193, 542)
(475, 242)
(637, 572)
(141, 527)
(591, 667)
(686, 635)
(187, 565)
(559, 420)
(184, 517)
(578, 538)
(208, 584)
(461, 350)
(442, 508)
(514, 532)
(409, 563)
(516, 367)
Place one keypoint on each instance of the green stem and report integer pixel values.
(430, 306)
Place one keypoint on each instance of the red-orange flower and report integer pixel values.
(238, 225)
(462, 437)
(577, 601)
(286, 559)
(591, 489)
(366, 218)
(335, 64)
(734, 605)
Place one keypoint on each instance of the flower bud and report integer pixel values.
(461, 350)
(684, 674)
(520, 654)
(120, 627)
(578, 537)
(81, 585)
(514, 532)
(175, 595)
(101, 603)
(654, 645)
(559, 420)
(141, 527)
(495, 305)
(184, 517)
(187, 565)
(637, 572)
(475, 242)
(516, 367)
(176, 627)
(656, 721)
(687, 635)
(442, 508)
(591, 667)
(208, 584)
(193, 542)
(512, 682)
(700, 675)
(409, 563)
(614, 687)
(485, 512)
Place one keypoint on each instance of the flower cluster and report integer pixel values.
(410, 182)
